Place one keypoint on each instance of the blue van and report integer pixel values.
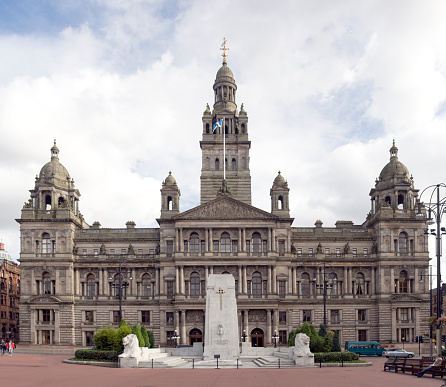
(366, 348)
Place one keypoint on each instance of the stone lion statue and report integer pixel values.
(131, 346)
(302, 345)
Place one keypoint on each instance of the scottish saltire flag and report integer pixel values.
(218, 124)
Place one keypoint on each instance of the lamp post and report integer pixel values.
(275, 337)
(324, 286)
(437, 208)
(121, 284)
(430, 275)
(244, 336)
(176, 337)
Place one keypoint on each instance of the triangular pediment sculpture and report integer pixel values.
(47, 299)
(405, 297)
(225, 208)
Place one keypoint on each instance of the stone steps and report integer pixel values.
(163, 362)
(282, 355)
(273, 362)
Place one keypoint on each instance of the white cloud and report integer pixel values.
(326, 85)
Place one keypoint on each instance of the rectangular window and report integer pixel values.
(123, 251)
(89, 316)
(234, 246)
(116, 319)
(310, 252)
(84, 251)
(140, 252)
(169, 318)
(37, 247)
(327, 251)
(338, 251)
(405, 334)
(281, 248)
(365, 252)
(151, 253)
(46, 315)
(145, 317)
(334, 316)
(248, 246)
(362, 315)
(282, 289)
(215, 244)
(96, 251)
(202, 246)
(169, 248)
(169, 289)
(306, 315)
(299, 251)
(264, 246)
(89, 338)
(354, 251)
(169, 335)
(186, 246)
(404, 314)
(282, 317)
(283, 337)
(112, 251)
(362, 335)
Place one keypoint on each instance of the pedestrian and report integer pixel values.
(436, 363)
(10, 346)
(3, 347)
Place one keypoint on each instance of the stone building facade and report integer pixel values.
(9, 296)
(361, 279)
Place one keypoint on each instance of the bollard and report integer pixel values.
(237, 363)
(279, 362)
(152, 363)
(342, 362)
(193, 363)
(320, 363)
(217, 362)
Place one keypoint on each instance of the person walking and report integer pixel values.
(10, 346)
(3, 347)
(436, 363)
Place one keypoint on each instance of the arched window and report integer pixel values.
(169, 203)
(234, 164)
(305, 285)
(400, 201)
(47, 283)
(256, 284)
(360, 284)
(194, 243)
(243, 128)
(256, 243)
(146, 284)
(402, 242)
(217, 164)
(207, 128)
(194, 284)
(403, 282)
(280, 203)
(225, 243)
(91, 285)
(333, 284)
(18, 286)
(10, 284)
(46, 243)
(48, 202)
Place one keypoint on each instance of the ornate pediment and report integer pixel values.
(404, 297)
(44, 300)
(225, 208)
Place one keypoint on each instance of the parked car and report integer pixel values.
(398, 353)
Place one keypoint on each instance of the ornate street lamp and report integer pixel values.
(175, 337)
(244, 336)
(121, 284)
(431, 312)
(275, 337)
(436, 208)
(324, 286)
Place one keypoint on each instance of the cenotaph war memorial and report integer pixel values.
(221, 323)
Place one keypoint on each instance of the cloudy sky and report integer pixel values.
(122, 86)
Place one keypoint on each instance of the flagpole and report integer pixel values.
(224, 150)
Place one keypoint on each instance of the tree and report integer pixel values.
(136, 330)
(335, 346)
(123, 331)
(152, 339)
(322, 330)
(145, 336)
(106, 339)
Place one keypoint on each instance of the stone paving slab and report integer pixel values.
(48, 370)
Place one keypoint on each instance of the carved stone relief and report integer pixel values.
(257, 316)
(194, 316)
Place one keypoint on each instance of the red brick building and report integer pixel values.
(9, 296)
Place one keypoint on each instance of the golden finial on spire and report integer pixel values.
(224, 49)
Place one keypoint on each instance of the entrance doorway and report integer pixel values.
(195, 336)
(46, 337)
(257, 338)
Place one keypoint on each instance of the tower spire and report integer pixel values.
(224, 49)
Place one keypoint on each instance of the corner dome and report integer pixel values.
(280, 180)
(170, 180)
(54, 169)
(394, 168)
(224, 72)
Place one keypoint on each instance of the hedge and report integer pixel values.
(335, 357)
(96, 355)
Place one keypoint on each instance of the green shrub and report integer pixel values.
(106, 339)
(96, 355)
(335, 346)
(145, 336)
(335, 357)
(152, 339)
(123, 331)
(136, 330)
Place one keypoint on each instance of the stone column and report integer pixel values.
(33, 318)
(206, 240)
(276, 321)
(57, 327)
(290, 280)
(177, 280)
(373, 290)
(183, 327)
(243, 247)
(182, 280)
(177, 321)
(101, 281)
(57, 281)
(345, 280)
(240, 281)
(294, 281)
(245, 281)
(161, 281)
(268, 326)
(211, 242)
(269, 239)
(156, 291)
(274, 280)
(78, 278)
(181, 240)
(240, 239)
(246, 326)
(393, 320)
(269, 280)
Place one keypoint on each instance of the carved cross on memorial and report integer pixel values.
(221, 292)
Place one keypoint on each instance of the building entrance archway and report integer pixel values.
(257, 338)
(195, 336)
